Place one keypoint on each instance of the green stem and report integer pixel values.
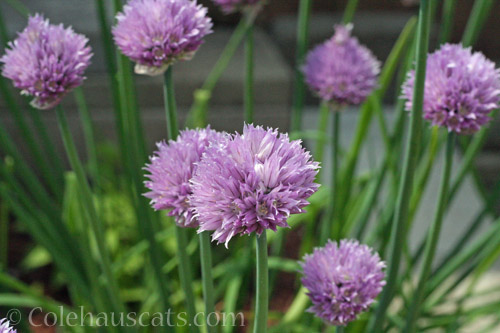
(208, 283)
(262, 304)
(170, 105)
(88, 132)
(447, 18)
(183, 257)
(111, 66)
(407, 177)
(185, 276)
(87, 202)
(477, 19)
(326, 229)
(302, 42)
(350, 9)
(249, 77)
(432, 237)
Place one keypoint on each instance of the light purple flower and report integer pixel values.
(5, 327)
(157, 33)
(46, 61)
(342, 281)
(171, 168)
(231, 6)
(341, 70)
(461, 89)
(252, 183)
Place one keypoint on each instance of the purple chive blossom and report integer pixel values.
(342, 281)
(252, 183)
(231, 6)
(461, 89)
(172, 167)
(157, 33)
(342, 71)
(46, 61)
(5, 327)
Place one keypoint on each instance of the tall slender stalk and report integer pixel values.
(249, 76)
(447, 18)
(410, 160)
(477, 19)
(88, 132)
(335, 170)
(302, 43)
(181, 234)
(432, 237)
(329, 219)
(207, 279)
(262, 297)
(350, 9)
(111, 67)
(93, 218)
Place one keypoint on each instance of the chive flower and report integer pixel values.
(5, 327)
(46, 61)
(157, 33)
(341, 70)
(461, 89)
(231, 6)
(342, 280)
(171, 168)
(252, 183)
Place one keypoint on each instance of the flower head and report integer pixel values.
(461, 89)
(231, 6)
(343, 280)
(5, 327)
(341, 70)
(171, 169)
(252, 183)
(46, 61)
(157, 33)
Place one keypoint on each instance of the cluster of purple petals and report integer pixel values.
(231, 6)
(156, 33)
(171, 169)
(46, 61)
(252, 183)
(341, 71)
(461, 89)
(342, 280)
(5, 327)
